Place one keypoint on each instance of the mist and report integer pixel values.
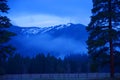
(31, 45)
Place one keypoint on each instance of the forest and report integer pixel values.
(46, 64)
(42, 64)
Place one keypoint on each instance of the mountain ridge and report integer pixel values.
(57, 40)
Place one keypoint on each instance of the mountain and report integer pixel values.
(58, 40)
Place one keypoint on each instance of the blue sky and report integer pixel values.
(44, 13)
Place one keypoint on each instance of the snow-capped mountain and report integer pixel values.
(57, 40)
(36, 30)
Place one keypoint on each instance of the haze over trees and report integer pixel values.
(104, 29)
(5, 49)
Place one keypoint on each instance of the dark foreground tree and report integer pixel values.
(104, 31)
(5, 49)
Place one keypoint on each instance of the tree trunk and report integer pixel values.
(111, 42)
(111, 60)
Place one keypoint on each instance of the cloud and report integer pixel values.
(40, 20)
(49, 12)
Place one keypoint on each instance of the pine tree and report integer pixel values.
(5, 35)
(104, 31)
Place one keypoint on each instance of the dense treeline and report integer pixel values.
(18, 64)
(74, 63)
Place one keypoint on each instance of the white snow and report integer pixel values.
(60, 27)
(46, 29)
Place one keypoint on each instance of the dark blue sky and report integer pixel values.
(43, 13)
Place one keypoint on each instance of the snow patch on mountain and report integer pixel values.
(36, 30)
(60, 27)
(31, 30)
(46, 29)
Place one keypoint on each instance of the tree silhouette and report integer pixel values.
(5, 49)
(104, 30)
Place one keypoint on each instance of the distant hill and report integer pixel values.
(58, 40)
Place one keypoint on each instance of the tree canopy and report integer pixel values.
(5, 49)
(104, 31)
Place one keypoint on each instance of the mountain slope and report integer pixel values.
(58, 40)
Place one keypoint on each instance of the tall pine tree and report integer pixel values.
(104, 31)
(5, 49)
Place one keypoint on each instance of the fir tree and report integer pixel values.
(5, 35)
(104, 32)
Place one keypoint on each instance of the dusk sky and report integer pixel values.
(44, 13)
